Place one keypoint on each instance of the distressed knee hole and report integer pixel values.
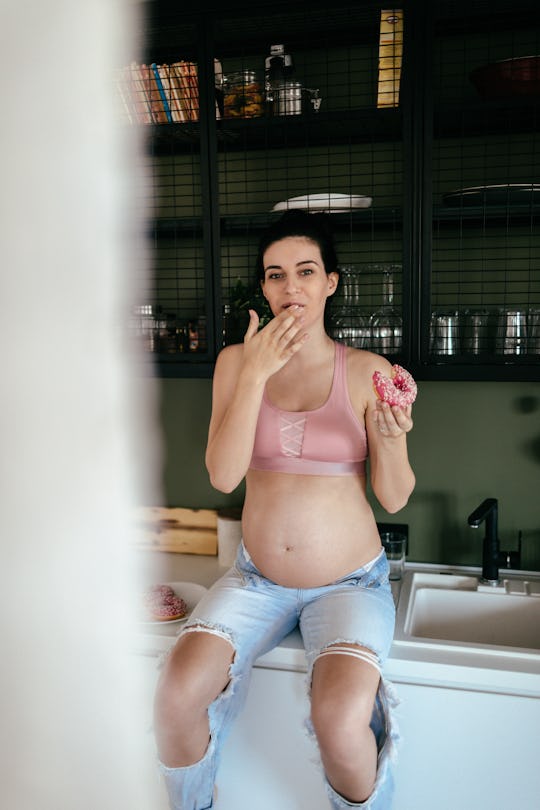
(212, 629)
(218, 631)
(360, 653)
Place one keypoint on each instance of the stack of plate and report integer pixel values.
(330, 203)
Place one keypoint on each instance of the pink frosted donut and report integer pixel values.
(174, 608)
(400, 390)
(162, 604)
(157, 593)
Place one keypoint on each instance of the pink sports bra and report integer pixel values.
(329, 440)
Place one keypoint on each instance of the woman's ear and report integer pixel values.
(333, 280)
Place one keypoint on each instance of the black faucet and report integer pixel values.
(488, 511)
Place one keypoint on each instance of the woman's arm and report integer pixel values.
(240, 376)
(391, 476)
(236, 399)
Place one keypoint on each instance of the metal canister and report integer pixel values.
(533, 320)
(475, 337)
(288, 98)
(511, 332)
(243, 95)
(445, 332)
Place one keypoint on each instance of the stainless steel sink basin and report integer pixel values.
(445, 608)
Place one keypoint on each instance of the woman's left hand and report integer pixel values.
(391, 420)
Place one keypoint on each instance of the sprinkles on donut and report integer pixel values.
(157, 593)
(400, 389)
(163, 605)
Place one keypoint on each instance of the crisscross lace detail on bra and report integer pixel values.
(329, 440)
(291, 434)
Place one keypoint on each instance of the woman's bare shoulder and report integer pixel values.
(363, 363)
(231, 355)
(229, 363)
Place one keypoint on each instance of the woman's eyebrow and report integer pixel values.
(298, 264)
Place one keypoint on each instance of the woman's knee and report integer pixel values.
(194, 673)
(340, 725)
(342, 700)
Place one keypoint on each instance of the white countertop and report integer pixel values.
(450, 666)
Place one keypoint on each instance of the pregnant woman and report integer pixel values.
(296, 414)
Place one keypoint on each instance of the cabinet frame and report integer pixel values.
(417, 112)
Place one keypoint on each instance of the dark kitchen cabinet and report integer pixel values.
(449, 164)
(481, 198)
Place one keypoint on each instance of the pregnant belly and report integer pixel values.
(306, 531)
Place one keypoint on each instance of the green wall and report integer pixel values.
(470, 441)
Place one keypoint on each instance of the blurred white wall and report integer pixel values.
(79, 443)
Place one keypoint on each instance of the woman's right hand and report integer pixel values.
(239, 379)
(269, 349)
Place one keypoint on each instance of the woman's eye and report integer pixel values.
(307, 271)
(274, 275)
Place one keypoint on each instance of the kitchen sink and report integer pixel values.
(453, 609)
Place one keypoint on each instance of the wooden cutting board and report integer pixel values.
(177, 529)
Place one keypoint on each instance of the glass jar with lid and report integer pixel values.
(243, 94)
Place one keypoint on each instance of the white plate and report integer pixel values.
(324, 202)
(190, 592)
(501, 194)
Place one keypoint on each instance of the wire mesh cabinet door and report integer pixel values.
(482, 297)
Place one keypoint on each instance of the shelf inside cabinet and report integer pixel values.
(312, 129)
(172, 139)
(365, 217)
(346, 126)
(494, 215)
(285, 131)
(172, 228)
(462, 368)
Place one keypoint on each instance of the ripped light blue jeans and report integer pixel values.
(254, 615)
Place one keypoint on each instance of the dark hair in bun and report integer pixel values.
(316, 227)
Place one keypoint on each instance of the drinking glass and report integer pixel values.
(350, 284)
(395, 544)
(353, 330)
(349, 326)
(386, 323)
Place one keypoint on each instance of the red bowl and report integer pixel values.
(508, 77)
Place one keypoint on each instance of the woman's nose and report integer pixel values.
(291, 284)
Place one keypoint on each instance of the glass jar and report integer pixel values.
(243, 95)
